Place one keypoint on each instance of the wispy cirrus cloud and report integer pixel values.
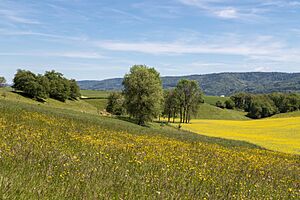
(71, 54)
(127, 14)
(281, 3)
(247, 9)
(15, 17)
(217, 8)
(40, 34)
(265, 48)
(234, 46)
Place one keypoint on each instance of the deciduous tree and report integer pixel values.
(189, 98)
(143, 93)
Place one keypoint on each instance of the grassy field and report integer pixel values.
(100, 104)
(213, 99)
(81, 106)
(282, 134)
(95, 94)
(96, 98)
(50, 153)
(287, 115)
(207, 111)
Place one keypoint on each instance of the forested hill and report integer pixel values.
(220, 83)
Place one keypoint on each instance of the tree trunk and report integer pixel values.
(173, 116)
(183, 115)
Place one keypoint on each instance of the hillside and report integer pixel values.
(79, 105)
(207, 111)
(212, 100)
(96, 101)
(63, 154)
(287, 115)
(220, 83)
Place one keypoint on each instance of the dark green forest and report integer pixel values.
(219, 83)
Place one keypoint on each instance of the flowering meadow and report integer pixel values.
(278, 134)
(48, 153)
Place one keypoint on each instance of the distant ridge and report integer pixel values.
(219, 83)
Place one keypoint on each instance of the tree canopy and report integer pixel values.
(52, 84)
(266, 105)
(143, 93)
(188, 95)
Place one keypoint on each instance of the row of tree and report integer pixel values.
(182, 101)
(266, 105)
(144, 99)
(52, 84)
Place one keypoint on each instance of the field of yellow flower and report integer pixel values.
(57, 154)
(278, 134)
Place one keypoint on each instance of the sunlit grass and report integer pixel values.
(95, 93)
(207, 111)
(286, 115)
(79, 105)
(100, 104)
(46, 153)
(212, 100)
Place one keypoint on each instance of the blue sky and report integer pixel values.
(100, 39)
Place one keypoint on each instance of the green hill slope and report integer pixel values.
(212, 100)
(100, 104)
(287, 115)
(207, 111)
(95, 94)
(80, 105)
(99, 99)
(51, 153)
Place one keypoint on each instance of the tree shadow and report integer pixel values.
(131, 120)
(23, 94)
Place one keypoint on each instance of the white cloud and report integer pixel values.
(247, 10)
(217, 9)
(127, 14)
(265, 48)
(47, 35)
(84, 55)
(228, 13)
(14, 16)
(238, 47)
(281, 3)
(262, 69)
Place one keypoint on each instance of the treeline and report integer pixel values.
(143, 97)
(266, 105)
(52, 84)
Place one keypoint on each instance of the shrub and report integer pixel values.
(229, 104)
(220, 104)
(115, 104)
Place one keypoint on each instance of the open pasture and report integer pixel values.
(95, 94)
